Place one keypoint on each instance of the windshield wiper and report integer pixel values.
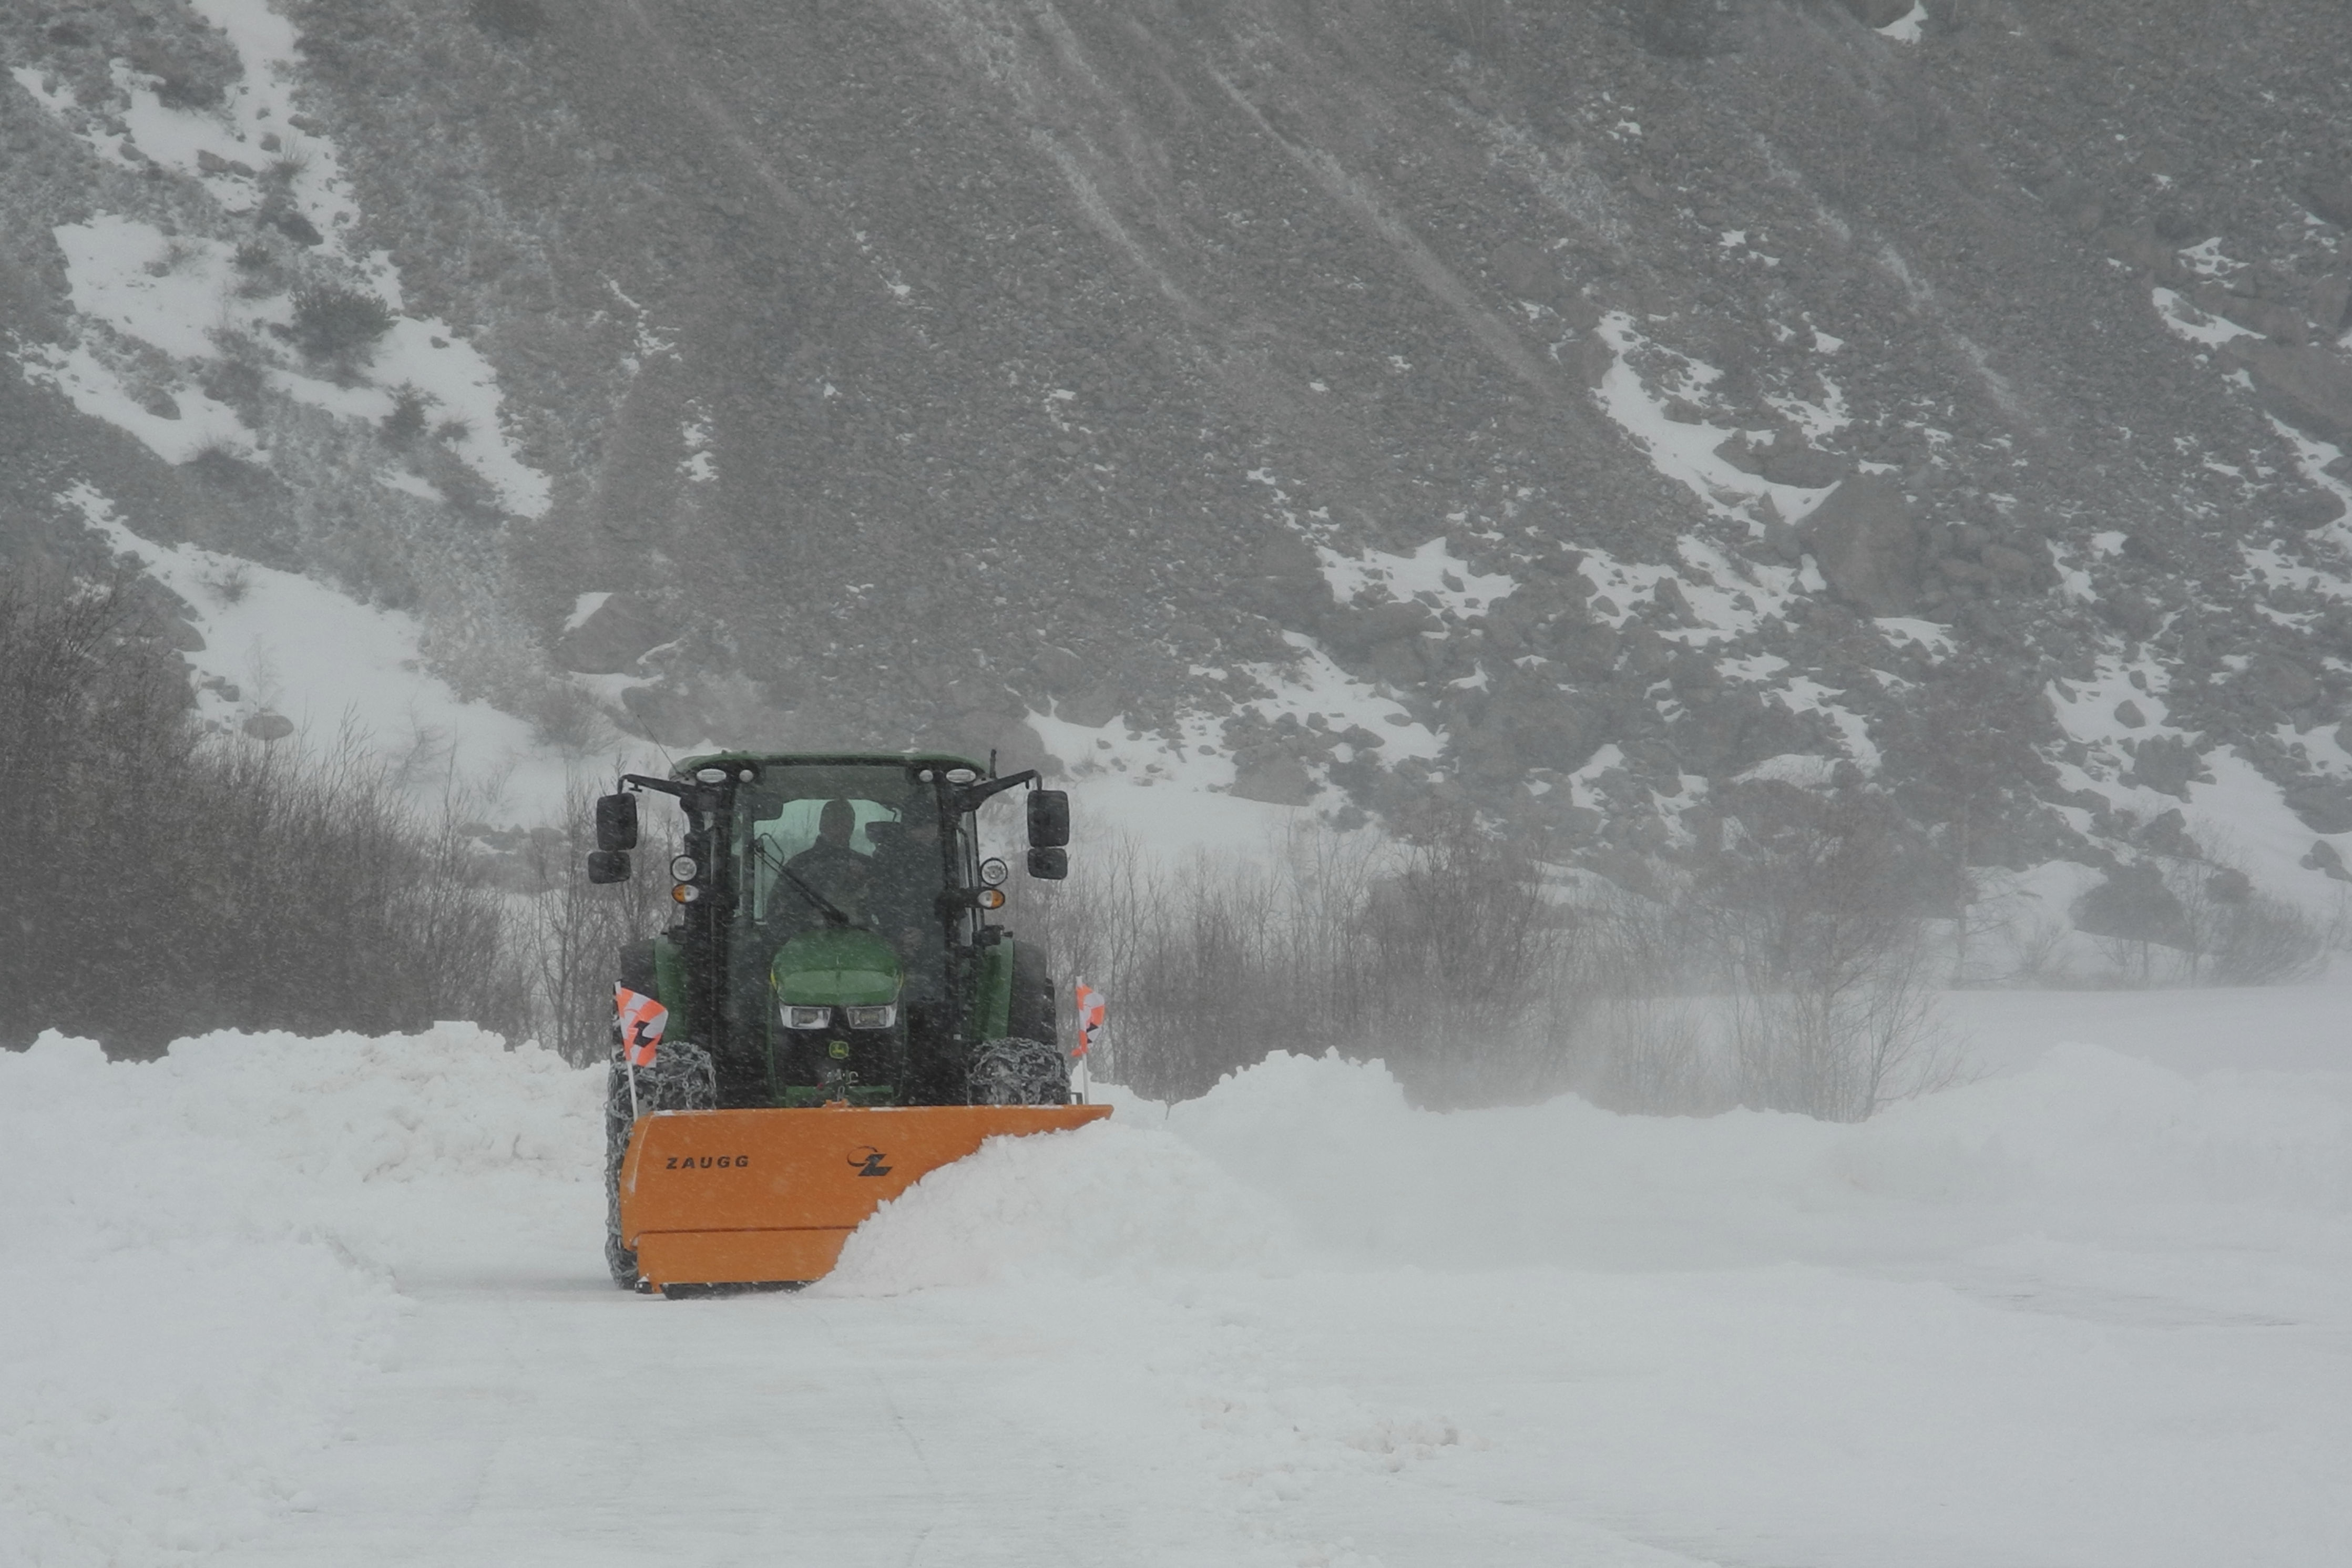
(818, 901)
(824, 905)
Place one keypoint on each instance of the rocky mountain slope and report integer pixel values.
(1598, 410)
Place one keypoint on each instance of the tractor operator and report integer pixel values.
(830, 866)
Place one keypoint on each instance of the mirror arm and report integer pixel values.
(970, 795)
(699, 800)
(667, 785)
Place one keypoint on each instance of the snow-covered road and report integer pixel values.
(338, 1302)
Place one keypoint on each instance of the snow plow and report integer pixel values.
(831, 1017)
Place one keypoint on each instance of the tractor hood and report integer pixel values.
(837, 966)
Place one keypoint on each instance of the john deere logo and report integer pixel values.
(868, 1160)
(838, 1051)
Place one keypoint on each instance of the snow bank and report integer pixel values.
(344, 1111)
(1324, 1161)
(1198, 1306)
(1104, 1198)
(2089, 1127)
(204, 1262)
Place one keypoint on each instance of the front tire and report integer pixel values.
(681, 1079)
(1016, 1071)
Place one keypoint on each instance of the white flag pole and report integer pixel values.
(628, 1056)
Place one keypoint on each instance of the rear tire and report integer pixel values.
(681, 1079)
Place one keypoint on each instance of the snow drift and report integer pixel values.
(219, 1252)
(1329, 1157)
(206, 1251)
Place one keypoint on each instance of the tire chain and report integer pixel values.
(1016, 1071)
(681, 1078)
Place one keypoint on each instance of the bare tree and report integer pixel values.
(1822, 942)
(1455, 948)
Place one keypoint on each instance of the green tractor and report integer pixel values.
(832, 953)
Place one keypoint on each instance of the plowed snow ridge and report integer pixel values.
(2091, 1311)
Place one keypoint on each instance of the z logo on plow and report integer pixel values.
(868, 1160)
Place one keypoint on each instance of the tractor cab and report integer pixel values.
(831, 944)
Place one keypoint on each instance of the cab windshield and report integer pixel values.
(836, 844)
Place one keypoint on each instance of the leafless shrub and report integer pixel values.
(163, 882)
(2202, 921)
(1650, 1055)
(2038, 953)
(2267, 941)
(406, 422)
(1830, 966)
(331, 322)
(2236, 934)
(232, 585)
(1790, 973)
(1453, 950)
(1835, 1045)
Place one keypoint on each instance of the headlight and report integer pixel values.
(808, 1018)
(882, 1017)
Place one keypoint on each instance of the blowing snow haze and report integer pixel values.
(1594, 410)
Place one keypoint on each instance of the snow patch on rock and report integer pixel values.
(276, 641)
(134, 287)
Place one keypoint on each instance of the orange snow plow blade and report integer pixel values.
(761, 1197)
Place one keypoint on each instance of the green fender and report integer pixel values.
(669, 986)
(992, 1002)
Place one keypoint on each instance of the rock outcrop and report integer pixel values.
(1867, 545)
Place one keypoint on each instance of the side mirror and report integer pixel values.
(608, 865)
(1049, 820)
(617, 824)
(1049, 865)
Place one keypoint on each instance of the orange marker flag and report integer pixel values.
(642, 1022)
(1090, 1012)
